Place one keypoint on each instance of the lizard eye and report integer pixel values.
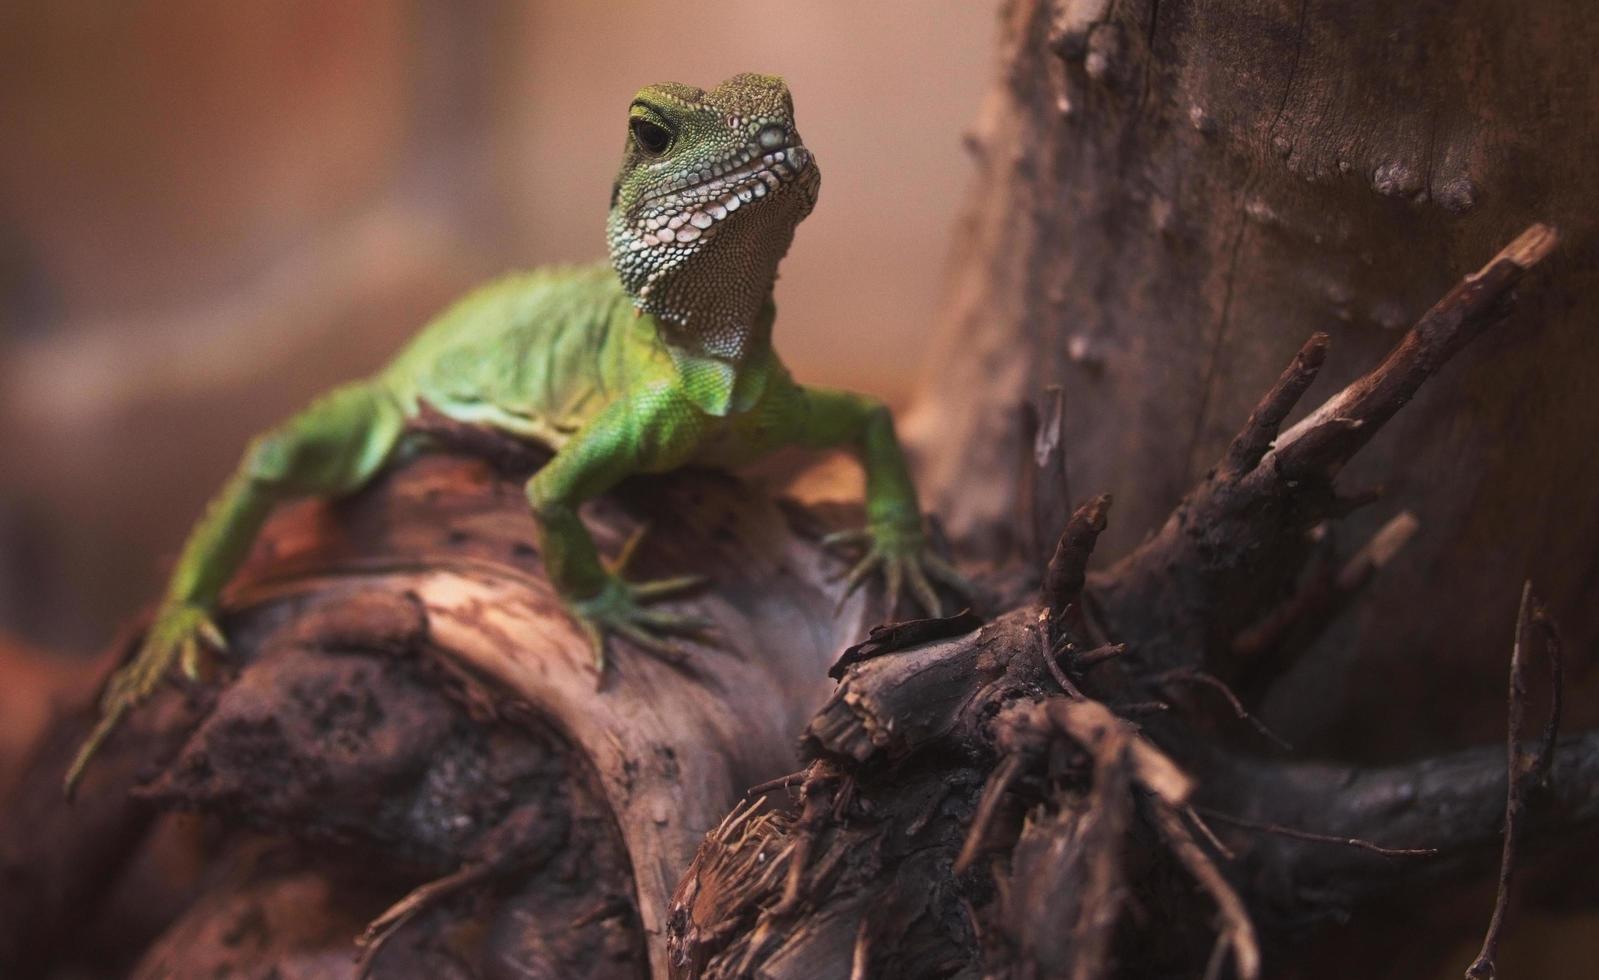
(652, 139)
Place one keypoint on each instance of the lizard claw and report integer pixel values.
(618, 610)
(906, 563)
(664, 588)
(181, 631)
(850, 537)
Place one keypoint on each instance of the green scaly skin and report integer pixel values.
(659, 359)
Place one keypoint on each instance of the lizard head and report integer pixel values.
(712, 186)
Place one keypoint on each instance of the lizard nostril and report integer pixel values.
(772, 137)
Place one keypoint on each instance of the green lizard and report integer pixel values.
(659, 359)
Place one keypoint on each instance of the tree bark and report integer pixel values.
(1102, 769)
(1171, 196)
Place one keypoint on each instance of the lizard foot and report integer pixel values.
(618, 610)
(181, 631)
(904, 558)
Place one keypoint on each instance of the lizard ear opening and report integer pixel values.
(652, 138)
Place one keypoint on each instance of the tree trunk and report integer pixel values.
(1172, 196)
(1085, 777)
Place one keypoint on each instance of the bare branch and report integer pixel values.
(1256, 437)
(1453, 804)
(1050, 663)
(1220, 562)
(1328, 437)
(1096, 656)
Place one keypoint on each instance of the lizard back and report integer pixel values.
(537, 353)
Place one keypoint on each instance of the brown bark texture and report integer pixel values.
(1171, 196)
(1111, 765)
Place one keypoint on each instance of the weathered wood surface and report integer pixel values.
(1171, 196)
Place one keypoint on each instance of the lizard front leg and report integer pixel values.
(617, 443)
(894, 541)
(331, 448)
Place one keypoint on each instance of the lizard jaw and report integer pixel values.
(694, 207)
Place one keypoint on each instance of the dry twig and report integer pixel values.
(993, 791)
(384, 928)
(1236, 929)
(1050, 662)
(1524, 770)
(1306, 835)
(1193, 675)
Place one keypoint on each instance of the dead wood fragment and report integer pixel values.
(781, 782)
(1068, 567)
(1524, 770)
(57, 859)
(988, 693)
(1453, 804)
(1098, 655)
(520, 843)
(380, 930)
(415, 767)
(998, 782)
(1192, 813)
(824, 790)
(891, 706)
(1065, 885)
(270, 915)
(889, 637)
(745, 851)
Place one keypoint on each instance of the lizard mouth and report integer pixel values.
(696, 204)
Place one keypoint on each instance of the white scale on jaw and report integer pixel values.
(750, 179)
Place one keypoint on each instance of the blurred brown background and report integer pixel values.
(208, 212)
